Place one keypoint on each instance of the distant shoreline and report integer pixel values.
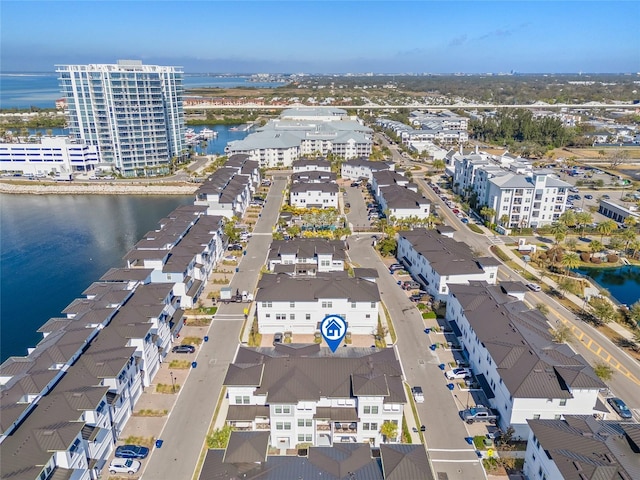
(72, 188)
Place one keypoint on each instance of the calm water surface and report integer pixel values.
(52, 247)
(622, 282)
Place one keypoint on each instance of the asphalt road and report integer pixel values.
(445, 431)
(189, 420)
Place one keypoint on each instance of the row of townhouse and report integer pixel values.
(286, 303)
(580, 447)
(508, 185)
(305, 394)
(306, 256)
(313, 185)
(282, 141)
(64, 405)
(437, 261)
(58, 156)
(524, 373)
(398, 196)
(247, 456)
(230, 189)
(362, 168)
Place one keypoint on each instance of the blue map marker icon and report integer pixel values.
(333, 329)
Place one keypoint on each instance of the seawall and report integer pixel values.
(98, 188)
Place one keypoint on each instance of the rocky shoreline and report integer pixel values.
(64, 188)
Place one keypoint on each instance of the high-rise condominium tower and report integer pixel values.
(132, 112)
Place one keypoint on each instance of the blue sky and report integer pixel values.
(327, 36)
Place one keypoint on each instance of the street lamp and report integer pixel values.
(173, 382)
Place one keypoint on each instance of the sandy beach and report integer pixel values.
(97, 188)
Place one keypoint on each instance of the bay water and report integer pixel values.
(54, 246)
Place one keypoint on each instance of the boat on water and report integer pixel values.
(207, 133)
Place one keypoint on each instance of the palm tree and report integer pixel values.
(568, 218)
(562, 334)
(628, 236)
(595, 247)
(542, 308)
(504, 219)
(583, 219)
(438, 165)
(634, 246)
(570, 261)
(487, 212)
(571, 243)
(559, 231)
(605, 228)
(564, 285)
(630, 222)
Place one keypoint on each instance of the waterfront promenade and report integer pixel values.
(98, 188)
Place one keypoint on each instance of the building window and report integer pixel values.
(325, 263)
(365, 426)
(327, 304)
(373, 410)
(536, 416)
(308, 316)
(353, 304)
(292, 316)
(563, 402)
(292, 304)
(374, 426)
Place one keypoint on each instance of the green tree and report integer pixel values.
(389, 430)
(438, 165)
(542, 308)
(627, 237)
(634, 313)
(568, 218)
(603, 371)
(583, 219)
(595, 246)
(220, 437)
(605, 228)
(558, 230)
(571, 243)
(231, 230)
(562, 334)
(504, 219)
(570, 261)
(602, 309)
(487, 213)
(564, 285)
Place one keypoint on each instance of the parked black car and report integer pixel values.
(620, 407)
(131, 451)
(234, 247)
(183, 349)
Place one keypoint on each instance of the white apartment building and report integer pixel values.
(306, 256)
(507, 184)
(282, 141)
(314, 195)
(403, 202)
(304, 394)
(131, 112)
(358, 168)
(438, 261)
(524, 374)
(51, 157)
(299, 304)
(580, 447)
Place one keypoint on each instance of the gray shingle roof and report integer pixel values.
(292, 375)
(445, 255)
(405, 462)
(518, 340)
(281, 287)
(585, 448)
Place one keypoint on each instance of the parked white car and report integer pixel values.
(124, 465)
(534, 287)
(458, 373)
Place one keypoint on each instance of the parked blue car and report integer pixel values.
(620, 407)
(132, 451)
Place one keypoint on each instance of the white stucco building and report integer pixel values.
(314, 195)
(306, 256)
(358, 168)
(438, 261)
(524, 374)
(289, 392)
(299, 304)
(50, 157)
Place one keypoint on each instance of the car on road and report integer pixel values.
(131, 451)
(234, 247)
(456, 373)
(456, 211)
(183, 349)
(347, 205)
(606, 197)
(534, 287)
(464, 220)
(479, 413)
(410, 285)
(620, 407)
(588, 197)
(277, 338)
(418, 395)
(395, 266)
(124, 465)
(574, 189)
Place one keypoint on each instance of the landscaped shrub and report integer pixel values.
(612, 258)
(596, 260)
(584, 256)
(427, 315)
